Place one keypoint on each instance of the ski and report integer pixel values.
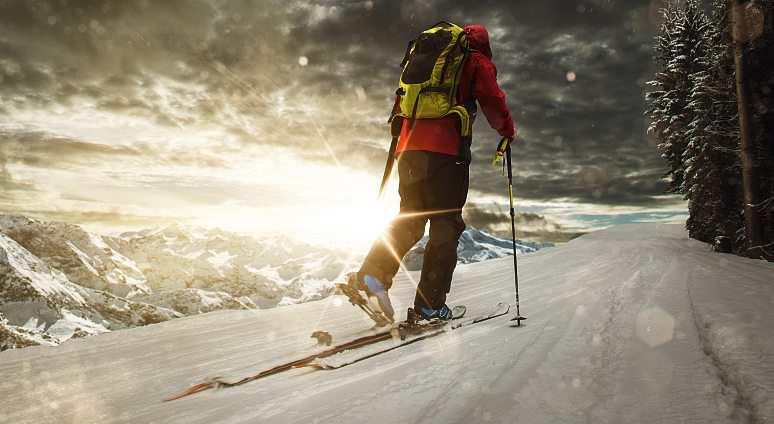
(420, 332)
(218, 382)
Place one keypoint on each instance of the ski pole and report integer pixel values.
(518, 318)
(396, 123)
(388, 166)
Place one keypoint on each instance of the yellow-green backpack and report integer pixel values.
(431, 73)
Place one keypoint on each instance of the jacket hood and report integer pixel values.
(478, 39)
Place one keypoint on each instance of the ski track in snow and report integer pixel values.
(636, 324)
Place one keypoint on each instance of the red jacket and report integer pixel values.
(443, 135)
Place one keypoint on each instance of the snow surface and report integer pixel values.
(635, 324)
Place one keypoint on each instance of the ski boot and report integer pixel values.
(370, 295)
(422, 319)
(444, 313)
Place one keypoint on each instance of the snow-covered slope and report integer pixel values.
(474, 246)
(39, 305)
(636, 324)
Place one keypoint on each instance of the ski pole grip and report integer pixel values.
(508, 160)
(501, 148)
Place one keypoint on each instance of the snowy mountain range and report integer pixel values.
(474, 246)
(60, 281)
(40, 305)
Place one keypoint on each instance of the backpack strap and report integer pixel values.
(443, 24)
(446, 58)
(406, 55)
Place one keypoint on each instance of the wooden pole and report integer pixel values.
(741, 37)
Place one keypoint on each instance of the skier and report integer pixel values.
(433, 157)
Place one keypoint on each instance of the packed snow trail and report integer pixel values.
(632, 324)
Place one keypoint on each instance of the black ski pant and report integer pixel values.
(433, 187)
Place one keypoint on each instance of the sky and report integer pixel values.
(270, 116)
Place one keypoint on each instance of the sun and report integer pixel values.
(355, 224)
(347, 213)
(328, 205)
(351, 225)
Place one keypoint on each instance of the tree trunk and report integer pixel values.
(742, 37)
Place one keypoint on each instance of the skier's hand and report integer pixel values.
(501, 148)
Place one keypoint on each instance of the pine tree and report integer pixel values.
(711, 160)
(679, 46)
(662, 99)
(694, 116)
(699, 179)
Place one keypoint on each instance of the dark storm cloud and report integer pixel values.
(495, 220)
(595, 184)
(44, 150)
(583, 139)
